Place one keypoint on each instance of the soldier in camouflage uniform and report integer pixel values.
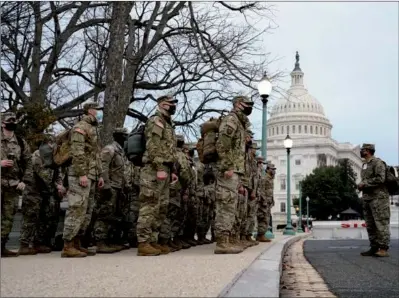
(192, 204)
(159, 160)
(210, 196)
(172, 227)
(204, 208)
(41, 206)
(231, 151)
(133, 197)
(16, 173)
(114, 172)
(84, 172)
(266, 202)
(376, 206)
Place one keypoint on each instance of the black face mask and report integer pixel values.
(172, 110)
(11, 126)
(362, 154)
(120, 139)
(180, 144)
(247, 111)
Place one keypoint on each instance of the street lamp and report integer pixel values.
(265, 88)
(288, 145)
(299, 230)
(307, 211)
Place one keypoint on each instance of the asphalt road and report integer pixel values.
(348, 274)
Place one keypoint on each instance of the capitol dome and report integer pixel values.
(298, 113)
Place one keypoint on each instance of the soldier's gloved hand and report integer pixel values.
(100, 183)
(83, 181)
(6, 163)
(161, 175)
(21, 186)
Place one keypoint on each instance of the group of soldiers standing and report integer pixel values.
(168, 203)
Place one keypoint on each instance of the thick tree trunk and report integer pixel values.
(115, 105)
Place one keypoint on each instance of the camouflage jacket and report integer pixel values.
(85, 149)
(373, 177)
(246, 179)
(266, 188)
(255, 176)
(231, 143)
(45, 177)
(210, 192)
(185, 172)
(200, 179)
(194, 181)
(22, 169)
(161, 142)
(114, 165)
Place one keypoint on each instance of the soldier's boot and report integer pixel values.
(173, 246)
(262, 238)
(206, 240)
(117, 247)
(69, 251)
(5, 253)
(250, 240)
(164, 249)
(245, 242)
(200, 240)
(184, 244)
(133, 243)
(235, 239)
(369, 252)
(42, 249)
(163, 244)
(190, 241)
(176, 242)
(146, 249)
(104, 248)
(382, 253)
(78, 245)
(224, 247)
(25, 250)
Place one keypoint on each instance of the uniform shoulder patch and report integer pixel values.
(158, 126)
(229, 125)
(79, 130)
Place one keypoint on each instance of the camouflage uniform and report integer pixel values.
(133, 197)
(252, 201)
(160, 155)
(191, 206)
(10, 178)
(210, 196)
(114, 172)
(376, 205)
(266, 201)
(172, 226)
(231, 151)
(41, 208)
(86, 161)
(204, 211)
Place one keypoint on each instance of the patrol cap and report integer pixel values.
(244, 99)
(167, 98)
(368, 147)
(120, 130)
(271, 166)
(90, 105)
(7, 116)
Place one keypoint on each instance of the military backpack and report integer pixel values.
(62, 150)
(206, 146)
(135, 146)
(392, 181)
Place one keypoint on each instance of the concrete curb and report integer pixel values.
(262, 277)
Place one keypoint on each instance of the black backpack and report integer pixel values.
(135, 146)
(392, 181)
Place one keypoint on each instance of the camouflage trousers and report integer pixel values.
(80, 208)
(204, 215)
(105, 209)
(133, 214)
(40, 218)
(9, 198)
(377, 214)
(264, 212)
(174, 222)
(241, 214)
(252, 208)
(226, 204)
(154, 202)
(190, 224)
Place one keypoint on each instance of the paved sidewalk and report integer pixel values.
(195, 272)
(299, 278)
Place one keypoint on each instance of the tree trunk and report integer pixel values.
(115, 106)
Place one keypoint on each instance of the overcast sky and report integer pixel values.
(349, 54)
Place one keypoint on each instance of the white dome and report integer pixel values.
(298, 113)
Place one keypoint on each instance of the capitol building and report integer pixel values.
(302, 116)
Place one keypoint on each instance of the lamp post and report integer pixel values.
(288, 229)
(265, 88)
(299, 229)
(307, 211)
